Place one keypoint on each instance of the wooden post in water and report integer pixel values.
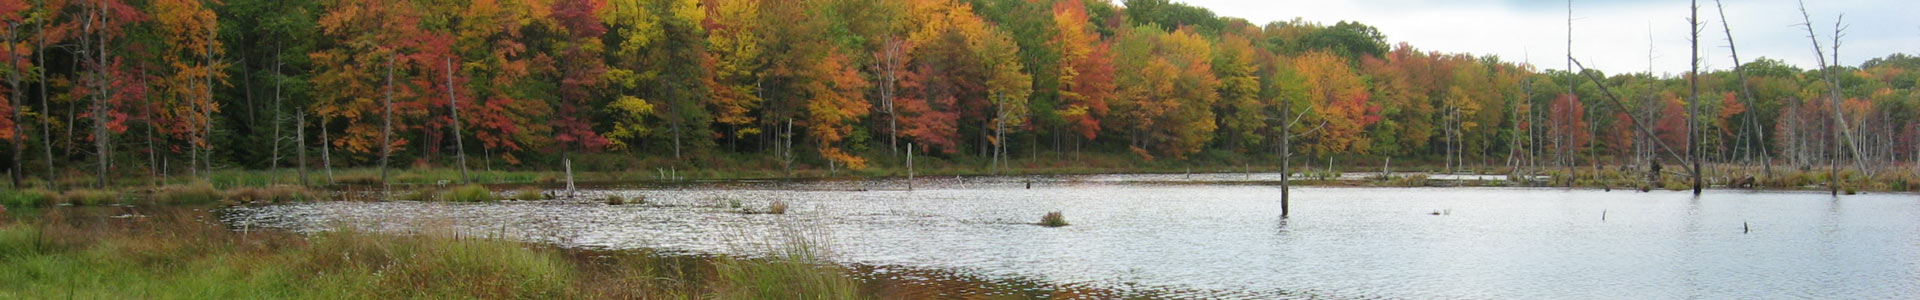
(909, 166)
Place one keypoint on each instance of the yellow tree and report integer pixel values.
(187, 31)
(733, 61)
(1339, 98)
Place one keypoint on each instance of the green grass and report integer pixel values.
(23, 198)
(470, 193)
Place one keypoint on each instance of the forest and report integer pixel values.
(113, 88)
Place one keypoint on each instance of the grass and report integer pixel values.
(1053, 219)
(88, 197)
(425, 194)
(32, 197)
(171, 254)
(778, 207)
(470, 193)
(527, 194)
(196, 193)
(794, 266)
(273, 194)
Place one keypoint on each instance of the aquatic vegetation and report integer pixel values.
(470, 193)
(19, 198)
(272, 194)
(528, 194)
(1053, 219)
(195, 193)
(778, 207)
(419, 195)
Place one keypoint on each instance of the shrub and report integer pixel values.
(470, 193)
(1053, 219)
(616, 200)
(195, 193)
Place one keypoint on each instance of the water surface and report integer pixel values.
(1228, 241)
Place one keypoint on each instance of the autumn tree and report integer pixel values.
(1086, 70)
(1340, 99)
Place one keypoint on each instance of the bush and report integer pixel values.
(616, 200)
(1053, 219)
(470, 193)
(195, 193)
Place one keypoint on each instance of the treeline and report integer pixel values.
(187, 86)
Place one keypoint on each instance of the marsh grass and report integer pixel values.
(470, 193)
(175, 254)
(778, 207)
(31, 197)
(794, 263)
(272, 194)
(1053, 219)
(527, 194)
(89, 197)
(189, 194)
(422, 194)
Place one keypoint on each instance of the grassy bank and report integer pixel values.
(62, 253)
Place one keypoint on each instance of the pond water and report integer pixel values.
(1149, 237)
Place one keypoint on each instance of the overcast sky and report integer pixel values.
(1609, 35)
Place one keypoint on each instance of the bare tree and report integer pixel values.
(386, 131)
(1752, 124)
(453, 108)
(1833, 93)
(1693, 95)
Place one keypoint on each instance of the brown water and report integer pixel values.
(1228, 241)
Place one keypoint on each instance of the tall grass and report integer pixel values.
(470, 193)
(196, 193)
(795, 266)
(1053, 219)
(174, 255)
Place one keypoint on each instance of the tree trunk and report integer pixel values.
(453, 107)
(1286, 156)
(326, 153)
(386, 132)
(1693, 96)
(300, 143)
(13, 83)
(46, 123)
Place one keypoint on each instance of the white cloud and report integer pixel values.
(1609, 35)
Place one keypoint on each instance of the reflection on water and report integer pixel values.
(1227, 241)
